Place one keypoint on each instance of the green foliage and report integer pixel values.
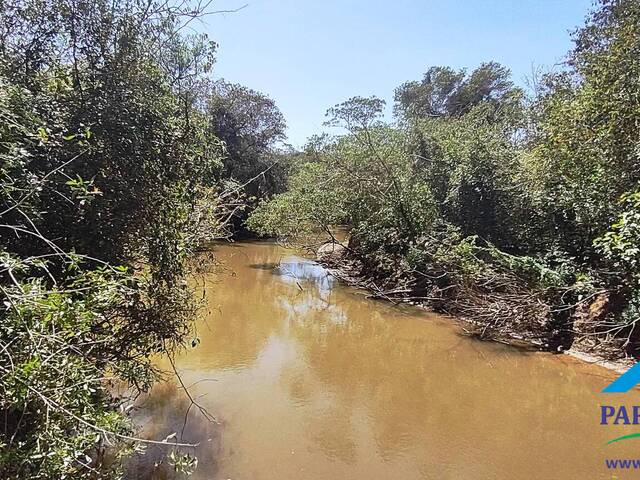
(300, 211)
(388, 182)
(357, 113)
(444, 92)
(365, 178)
(621, 248)
(62, 350)
(509, 200)
(585, 141)
(105, 156)
(251, 128)
(621, 244)
(469, 164)
(631, 314)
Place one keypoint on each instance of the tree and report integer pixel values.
(251, 127)
(487, 203)
(585, 142)
(447, 92)
(102, 157)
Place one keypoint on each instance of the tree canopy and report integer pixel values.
(481, 199)
(445, 92)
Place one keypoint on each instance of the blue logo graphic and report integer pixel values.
(625, 382)
(622, 415)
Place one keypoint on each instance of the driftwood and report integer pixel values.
(499, 308)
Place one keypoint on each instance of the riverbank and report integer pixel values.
(309, 379)
(529, 328)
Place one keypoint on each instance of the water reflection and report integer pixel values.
(297, 270)
(314, 382)
(164, 413)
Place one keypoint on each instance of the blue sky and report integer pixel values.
(310, 55)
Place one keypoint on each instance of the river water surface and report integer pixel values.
(309, 379)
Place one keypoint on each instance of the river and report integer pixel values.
(309, 379)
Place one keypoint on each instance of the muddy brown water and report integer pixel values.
(310, 380)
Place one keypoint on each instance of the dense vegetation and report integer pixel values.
(119, 156)
(518, 210)
(112, 170)
(252, 130)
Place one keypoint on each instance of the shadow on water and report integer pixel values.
(165, 412)
(313, 381)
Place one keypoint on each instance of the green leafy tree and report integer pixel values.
(103, 158)
(447, 92)
(252, 129)
(585, 141)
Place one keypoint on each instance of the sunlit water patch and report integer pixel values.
(310, 380)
